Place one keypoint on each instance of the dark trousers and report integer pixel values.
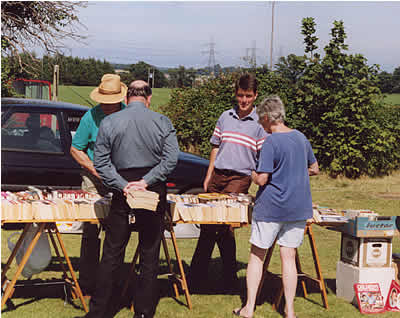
(90, 244)
(89, 258)
(150, 226)
(223, 235)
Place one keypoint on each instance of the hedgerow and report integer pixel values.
(334, 100)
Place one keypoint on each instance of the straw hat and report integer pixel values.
(110, 90)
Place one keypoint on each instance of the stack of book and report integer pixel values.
(327, 215)
(352, 214)
(25, 205)
(210, 207)
(215, 197)
(142, 199)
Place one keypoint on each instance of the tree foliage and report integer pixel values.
(308, 30)
(73, 70)
(181, 77)
(389, 82)
(34, 24)
(336, 104)
(195, 111)
(144, 71)
(334, 100)
(45, 24)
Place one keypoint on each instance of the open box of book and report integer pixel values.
(58, 205)
(211, 208)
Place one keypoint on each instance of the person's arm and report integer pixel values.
(213, 155)
(83, 160)
(313, 169)
(102, 160)
(259, 179)
(169, 156)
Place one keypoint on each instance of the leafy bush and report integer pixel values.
(195, 111)
(335, 101)
(337, 107)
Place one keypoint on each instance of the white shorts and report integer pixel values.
(288, 234)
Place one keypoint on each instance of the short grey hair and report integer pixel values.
(273, 107)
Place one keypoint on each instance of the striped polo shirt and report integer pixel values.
(239, 141)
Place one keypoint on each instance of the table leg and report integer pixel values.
(171, 270)
(71, 270)
(13, 253)
(182, 272)
(57, 253)
(317, 266)
(10, 286)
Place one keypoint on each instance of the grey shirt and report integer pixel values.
(135, 137)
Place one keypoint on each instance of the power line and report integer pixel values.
(251, 59)
(211, 56)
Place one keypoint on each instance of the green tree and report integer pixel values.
(396, 80)
(45, 24)
(336, 104)
(310, 40)
(291, 67)
(385, 82)
(25, 24)
(194, 111)
(181, 77)
(140, 71)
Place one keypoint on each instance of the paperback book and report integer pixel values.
(369, 298)
(393, 299)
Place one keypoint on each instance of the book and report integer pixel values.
(142, 199)
(369, 298)
(393, 299)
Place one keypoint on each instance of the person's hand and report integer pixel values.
(140, 185)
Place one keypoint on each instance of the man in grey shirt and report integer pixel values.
(135, 148)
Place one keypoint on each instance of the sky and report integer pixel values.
(173, 33)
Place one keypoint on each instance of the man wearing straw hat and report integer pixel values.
(109, 95)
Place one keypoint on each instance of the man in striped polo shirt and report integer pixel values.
(236, 141)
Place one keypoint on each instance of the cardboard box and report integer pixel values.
(381, 226)
(366, 252)
(347, 275)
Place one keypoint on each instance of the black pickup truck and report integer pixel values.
(36, 137)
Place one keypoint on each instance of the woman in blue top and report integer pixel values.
(283, 201)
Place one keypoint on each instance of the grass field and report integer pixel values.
(80, 95)
(380, 194)
(393, 99)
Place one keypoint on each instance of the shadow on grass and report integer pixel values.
(273, 284)
(35, 289)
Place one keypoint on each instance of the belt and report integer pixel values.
(227, 172)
